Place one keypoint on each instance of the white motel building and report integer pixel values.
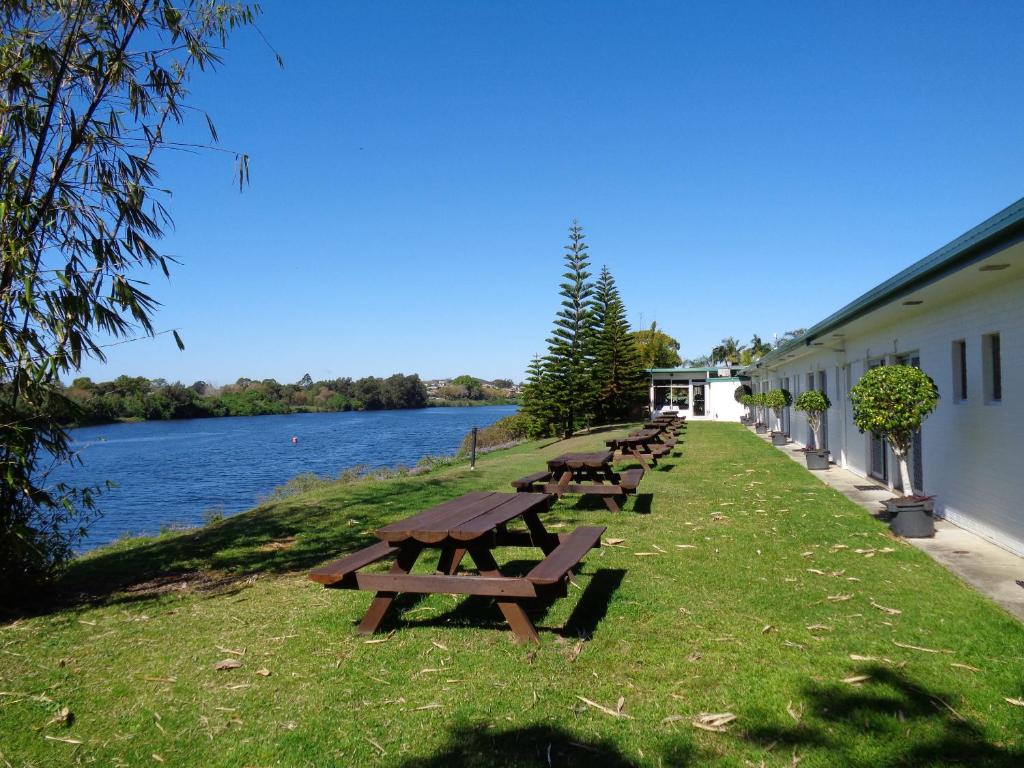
(958, 314)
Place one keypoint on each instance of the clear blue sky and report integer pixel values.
(415, 167)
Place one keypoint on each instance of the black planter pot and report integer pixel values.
(779, 438)
(911, 518)
(760, 428)
(816, 459)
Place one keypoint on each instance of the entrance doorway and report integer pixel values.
(698, 399)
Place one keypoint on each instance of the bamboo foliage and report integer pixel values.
(90, 91)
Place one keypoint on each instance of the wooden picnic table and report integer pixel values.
(472, 524)
(589, 474)
(668, 425)
(644, 445)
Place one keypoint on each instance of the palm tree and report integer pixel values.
(728, 351)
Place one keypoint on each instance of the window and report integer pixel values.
(992, 368)
(960, 370)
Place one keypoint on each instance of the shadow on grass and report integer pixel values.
(642, 503)
(482, 612)
(884, 710)
(280, 537)
(469, 746)
(593, 604)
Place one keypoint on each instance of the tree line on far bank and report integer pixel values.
(136, 397)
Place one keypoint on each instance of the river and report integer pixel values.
(176, 473)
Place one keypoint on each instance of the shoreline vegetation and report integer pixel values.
(136, 398)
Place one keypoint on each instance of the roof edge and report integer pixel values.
(973, 245)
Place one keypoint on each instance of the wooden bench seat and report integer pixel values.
(566, 556)
(630, 479)
(337, 570)
(529, 482)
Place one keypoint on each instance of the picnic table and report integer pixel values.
(472, 524)
(589, 474)
(666, 424)
(644, 445)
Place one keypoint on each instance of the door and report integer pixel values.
(810, 442)
(878, 467)
(785, 411)
(916, 463)
(698, 399)
(823, 429)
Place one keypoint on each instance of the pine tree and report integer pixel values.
(619, 379)
(537, 402)
(570, 348)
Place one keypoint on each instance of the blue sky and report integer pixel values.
(415, 167)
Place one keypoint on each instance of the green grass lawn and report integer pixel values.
(741, 585)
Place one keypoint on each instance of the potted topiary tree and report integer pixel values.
(891, 401)
(777, 399)
(748, 402)
(757, 400)
(814, 403)
(740, 395)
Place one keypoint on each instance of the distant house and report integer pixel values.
(700, 394)
(958, 314)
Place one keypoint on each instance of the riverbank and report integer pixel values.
(734, 583)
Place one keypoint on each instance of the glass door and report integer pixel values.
(698, 399)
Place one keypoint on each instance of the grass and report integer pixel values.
(752, 603)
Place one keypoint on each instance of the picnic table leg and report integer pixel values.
(541, 537)
(449, 561)
(614, 503)
(513, 612)
(639, 457)
(563, 482)
(378, 609)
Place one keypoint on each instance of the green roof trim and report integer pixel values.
(690, 370)
(974, 245)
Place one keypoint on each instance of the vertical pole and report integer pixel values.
(472, 451)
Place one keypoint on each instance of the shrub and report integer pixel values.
(813, 402)
(891, 401)
(511, 429)
(777, 399)
(742, 391)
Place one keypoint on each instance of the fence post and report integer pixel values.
(472, 451)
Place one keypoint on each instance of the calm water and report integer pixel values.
(171, 472)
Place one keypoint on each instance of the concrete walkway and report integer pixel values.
(989, 569)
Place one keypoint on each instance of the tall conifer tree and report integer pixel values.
(618, 376)
(570, 348)
(536, 399)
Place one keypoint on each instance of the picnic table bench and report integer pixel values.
(644, 445)
(661, 436)
(589, 474)
(472, 524)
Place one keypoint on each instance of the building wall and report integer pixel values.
(721, 403)
(972, 451)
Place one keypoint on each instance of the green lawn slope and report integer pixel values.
(741, 585)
